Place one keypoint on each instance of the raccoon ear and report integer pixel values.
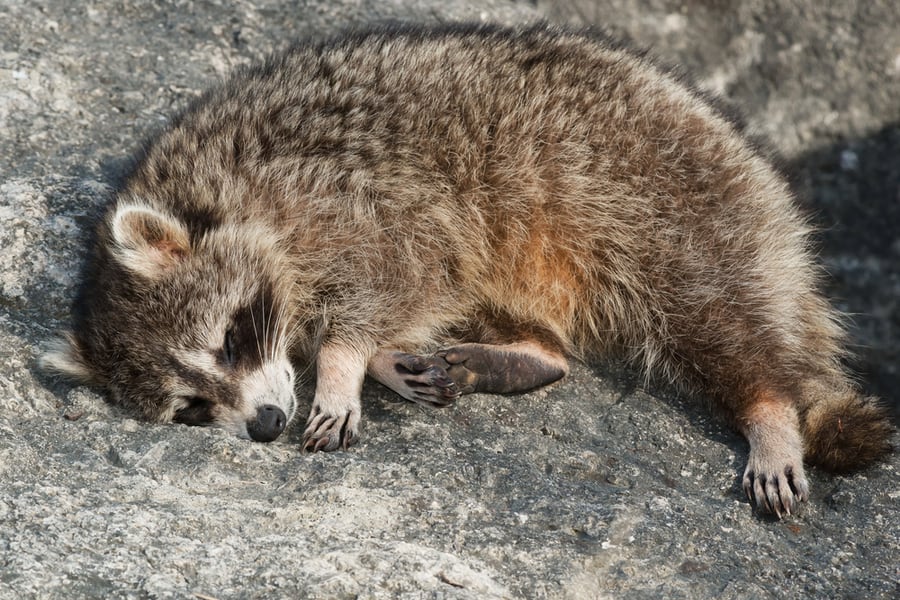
(65, 357)
(148, 241)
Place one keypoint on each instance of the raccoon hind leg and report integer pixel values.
(439, 379)
(495, 364)
(503, 368)
(774, 479)
(503, 354)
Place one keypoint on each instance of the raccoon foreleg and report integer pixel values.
(334, 418)
(439, 379)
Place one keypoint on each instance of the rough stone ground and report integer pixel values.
(593, 488)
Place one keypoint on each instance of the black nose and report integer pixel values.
(268, 425)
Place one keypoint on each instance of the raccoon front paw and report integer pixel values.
(327, 431)
(424, 380)
(776, 487)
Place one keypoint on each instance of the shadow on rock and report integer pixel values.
(852, 189)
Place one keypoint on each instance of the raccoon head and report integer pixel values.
(183, 323)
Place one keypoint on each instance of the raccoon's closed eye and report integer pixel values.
(197, 412)
(229, 350)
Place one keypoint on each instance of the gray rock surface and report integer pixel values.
(592, 488)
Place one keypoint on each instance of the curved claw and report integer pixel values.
(326, 432)
(776, 492)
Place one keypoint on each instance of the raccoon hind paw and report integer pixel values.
(776, 487)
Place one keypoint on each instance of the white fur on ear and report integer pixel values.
(64, 357)
(148, 241)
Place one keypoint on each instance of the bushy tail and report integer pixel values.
(843, 430)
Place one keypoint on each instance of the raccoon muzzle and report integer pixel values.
(268, 424)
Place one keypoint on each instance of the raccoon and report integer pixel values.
(463, 209)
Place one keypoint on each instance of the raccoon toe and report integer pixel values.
(778, 491)
(326, 432)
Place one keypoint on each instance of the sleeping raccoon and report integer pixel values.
(462, 209)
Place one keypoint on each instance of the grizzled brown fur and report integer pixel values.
(509, 197)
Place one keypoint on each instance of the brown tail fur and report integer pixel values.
(843, 430)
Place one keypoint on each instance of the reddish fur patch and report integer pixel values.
(768, 407)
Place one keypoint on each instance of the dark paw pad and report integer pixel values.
(501, 370)
(426, 380)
